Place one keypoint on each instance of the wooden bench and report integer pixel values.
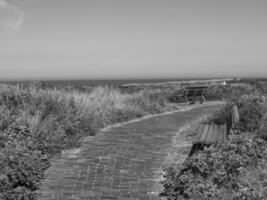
(209, 134)
(212, 133)
(191, 94)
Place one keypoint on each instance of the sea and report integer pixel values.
(103, 82)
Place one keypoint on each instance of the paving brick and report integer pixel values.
(123, 162)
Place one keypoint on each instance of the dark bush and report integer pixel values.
(263, 128)
(222, 115)
(229, 92)
(251, 110)
(214, 173)
(34, 125)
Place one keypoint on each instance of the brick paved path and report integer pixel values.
(123, 162)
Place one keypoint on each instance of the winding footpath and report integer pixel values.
(124, 162)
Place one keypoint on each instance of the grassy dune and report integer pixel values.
(37, 123)
(237, 169)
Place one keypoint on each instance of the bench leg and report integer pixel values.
(189, 100)
(186, 99)
(203, 99)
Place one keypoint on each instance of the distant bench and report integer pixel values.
(212, 133)
(191, 94)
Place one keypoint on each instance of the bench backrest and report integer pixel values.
(195, 91)
(234, 115)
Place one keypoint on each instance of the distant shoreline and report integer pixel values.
(175, 82)
(114, 82)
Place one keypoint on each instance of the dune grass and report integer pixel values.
(36, 123)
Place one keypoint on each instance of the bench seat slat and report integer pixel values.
(200, 131)
(204, 133)
(216, 133)
(221, 133)
(210, 134)
(225, 133)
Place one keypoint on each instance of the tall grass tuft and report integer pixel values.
(37, 123)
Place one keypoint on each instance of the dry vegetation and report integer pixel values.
(237, 169)
(37, 123)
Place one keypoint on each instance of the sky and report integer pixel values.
(120, 39)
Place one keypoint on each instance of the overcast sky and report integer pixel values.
(93, 39)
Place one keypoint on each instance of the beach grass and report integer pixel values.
(38, 123)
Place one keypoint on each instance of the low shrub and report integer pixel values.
(217, 171)
(22, 164)
(229, 92)
(251, 110)
(222, 115)
(236, 169)
(262, 133)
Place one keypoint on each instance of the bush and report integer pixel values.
(263, 128)
(216, 172)
(236, 169)
(222, 115)
(229, 92)
(251, 110)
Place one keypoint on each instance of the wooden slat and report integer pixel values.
(224, 133)
(200, 131)
(199, 92)
(221, 132)
(210, 134)
(190, 93)
(216, 133)
(235, 115)
(204, 132)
